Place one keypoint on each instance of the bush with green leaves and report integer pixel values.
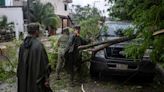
(53, 52)
(8, 65)
(6, 29)
(90, 29)
(5, 25)
(88, 18)
(158, 50)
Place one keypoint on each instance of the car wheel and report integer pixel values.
(93, 73)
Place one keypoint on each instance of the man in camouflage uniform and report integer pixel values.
(72, 54)
(62, 43)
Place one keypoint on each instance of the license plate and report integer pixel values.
(122, 66)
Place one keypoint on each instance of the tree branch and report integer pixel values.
(106, 43)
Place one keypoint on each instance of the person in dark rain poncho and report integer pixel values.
(33, 70)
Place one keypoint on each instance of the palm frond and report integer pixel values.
(43, 14)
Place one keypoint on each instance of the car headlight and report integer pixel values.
(100, 54)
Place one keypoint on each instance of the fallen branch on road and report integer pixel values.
(82, 88)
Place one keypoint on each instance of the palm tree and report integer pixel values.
(43, 14)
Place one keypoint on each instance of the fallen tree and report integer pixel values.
(106, 43)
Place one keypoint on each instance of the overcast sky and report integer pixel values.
(100, 4)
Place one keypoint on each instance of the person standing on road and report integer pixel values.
(33, 70)
(72, 55)
(62, 43)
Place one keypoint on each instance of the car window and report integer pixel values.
(115, 29)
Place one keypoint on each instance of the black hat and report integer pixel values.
(32, 27)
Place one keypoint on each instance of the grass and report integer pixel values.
(5, 75)
(8, 67)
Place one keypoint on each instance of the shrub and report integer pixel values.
(9, 64)
(52, 53)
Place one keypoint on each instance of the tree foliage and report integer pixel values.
(88, 18)
(148, 17)
(43, 14)
(120, 9)
(90, 29)
(84, 13)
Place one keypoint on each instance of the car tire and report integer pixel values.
(93, 73)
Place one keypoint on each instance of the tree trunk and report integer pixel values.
(105, 43)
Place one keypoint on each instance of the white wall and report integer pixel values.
(14, 14)
(59, 7)
(8, 2)
(14, 2)
(18, 3)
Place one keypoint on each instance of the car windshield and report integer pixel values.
(115, 28)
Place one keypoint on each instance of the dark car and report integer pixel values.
(112, 62)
